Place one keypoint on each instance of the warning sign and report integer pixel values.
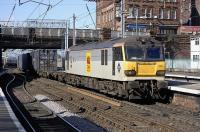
(88, 62)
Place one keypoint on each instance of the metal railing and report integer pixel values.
(185, 65)
(117, 34)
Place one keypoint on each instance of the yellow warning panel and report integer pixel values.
(88, 62)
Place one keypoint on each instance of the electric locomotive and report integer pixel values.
(126, 67)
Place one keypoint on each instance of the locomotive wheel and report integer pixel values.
(166, 96)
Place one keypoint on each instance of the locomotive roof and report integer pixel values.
(110, 43)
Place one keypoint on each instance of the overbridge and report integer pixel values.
(48, 34)
(34, 34)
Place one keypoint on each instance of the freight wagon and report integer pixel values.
(44, 60)
(24, 62)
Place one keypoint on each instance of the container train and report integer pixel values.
(10, 61)
(132, 68)
(38, 61)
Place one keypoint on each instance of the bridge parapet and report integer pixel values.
(49, 32)
(32, 23)
(44, 29)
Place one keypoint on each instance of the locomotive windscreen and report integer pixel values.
(144, 53)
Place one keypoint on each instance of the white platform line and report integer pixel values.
(183, 76)
(184, 90)
(11, 113)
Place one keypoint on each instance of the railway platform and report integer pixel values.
(8, 120)
(184, 82)
(186, 88)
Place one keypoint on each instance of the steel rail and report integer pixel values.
(67, 123)
(18, 109)
(136, 117)
(24, 87)
(88, 108)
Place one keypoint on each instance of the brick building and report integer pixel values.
(185, 11)
(195, 17)
(161, 15)
(189, 12)
(198, 5)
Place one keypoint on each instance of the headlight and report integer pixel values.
(160, 73)
(130, 72)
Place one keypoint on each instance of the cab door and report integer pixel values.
(117, 61)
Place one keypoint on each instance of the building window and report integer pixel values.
(195, 57)
(161, 13)
(144, 12)
(149, 12)
(133, 12)
(168, 14)
(174, 1)
(173, 13)
(197, 41)
(117, 12)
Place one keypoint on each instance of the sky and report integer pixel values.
(63, 11)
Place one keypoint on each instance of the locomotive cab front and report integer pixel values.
(144, 60)
(143, 69)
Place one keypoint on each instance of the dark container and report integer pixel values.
(60, 62)
(44, 60)
(24, 62)
(1, 59)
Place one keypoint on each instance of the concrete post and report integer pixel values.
(122, 18)
(74, 30)
(1, 62)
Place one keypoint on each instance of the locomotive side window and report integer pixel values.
(117, 54)
(104, 57)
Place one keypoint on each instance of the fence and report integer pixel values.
(183, 65)
(117, 34)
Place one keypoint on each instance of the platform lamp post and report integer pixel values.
(66, 43)
(66, 37)
(122, 18)
(136, 24)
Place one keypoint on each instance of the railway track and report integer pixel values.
(83, 106)
(128, 117)
(13, 103)
(33, 115)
